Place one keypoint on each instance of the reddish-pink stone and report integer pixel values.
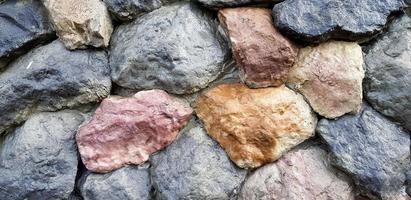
(126, 130)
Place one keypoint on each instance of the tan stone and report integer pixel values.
(255, 126)
(330, 77)
(80, 23)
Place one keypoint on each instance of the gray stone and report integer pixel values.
(51, 78)
(129, 183)
(23, 24)
(320, 20)
(39, 160)
(215, 4)
(372, 150)
(195, 167)
(174, 48)
(388, 72)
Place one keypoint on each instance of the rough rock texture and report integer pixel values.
(373, 150)
(330, 77)
(255, 126)
(50, 78)
(80, 23)
(317, 21)
(388, 77)
(302, 174)
(23, 24)
(126, 130)
(195, 167)
(262, 53)
(215, 4)
(129, 183)
(175, 48)
(39, 160)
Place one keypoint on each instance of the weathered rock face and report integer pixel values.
(317, 21)
(388, 77)
(80, 23)
(330, 77)
(303, 173)
(23, 24)
(195, 167)
(373, 150)
(50, 78)
(127, 130)
(262, 53)
(39, 160)
(126, 183)
(175, 48)
(255, 126)
(231, 3)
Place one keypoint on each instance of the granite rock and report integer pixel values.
(216, 4)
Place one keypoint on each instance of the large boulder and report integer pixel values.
(320, 20)
(51, 78)
(262, 53)
(39, 160)
(80, 23)
(195, 167)
(330, 77)
(216, 4)
(255, 126)
(127, 130)
(388, 75)
(174, 48)
(372, 150)
(23, 24)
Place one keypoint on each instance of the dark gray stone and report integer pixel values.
(51, 78)
(388, 72)
(23, 24)
(373, 150)
(39, 160)
(195, 167)
(320, 20)
(129, 183)
(174, 48)
(216, 4)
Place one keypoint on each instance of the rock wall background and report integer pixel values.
(205, 99)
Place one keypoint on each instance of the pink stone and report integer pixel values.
(127, 130)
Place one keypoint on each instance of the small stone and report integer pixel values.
(126, 130)
(126, 183)
(317, 21)
(330, 77)
(39, 159)
(255, 126)
(216, 4)
(303, 173)
(80, 23)
(372, 150)
(51, 78)
(388, 75)
(175, 48)
(262, 53)
(195, 167)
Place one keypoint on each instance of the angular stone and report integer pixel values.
(317, 21)
(195, 167)
(125, 183)
(126, 130)
(372, 150)
(388, 75)
(23, 24)
(174, 48)
(303, 173)
(330, 77)
(216, 4)
(51, 78)
(39, 160)
(262, 53)
(80, 23)
(255, 126)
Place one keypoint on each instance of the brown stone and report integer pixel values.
(262, 53)
(330, 77)
(126, 130)
(255, 126)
